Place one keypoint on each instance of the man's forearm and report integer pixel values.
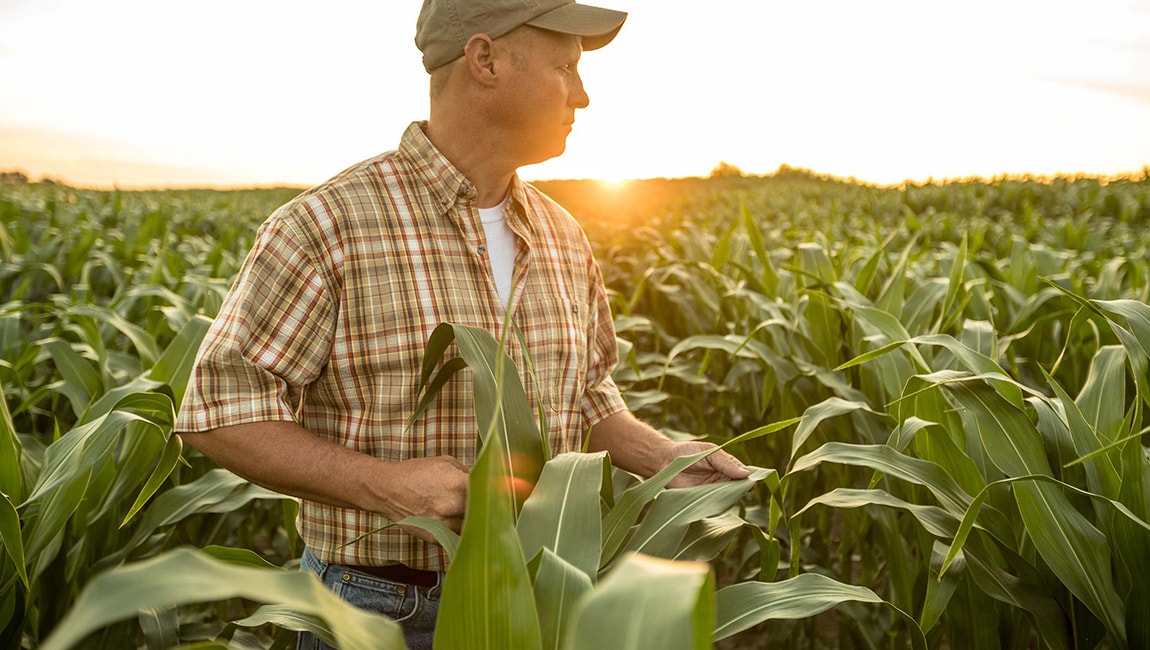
(641, 449)
(287, 458)
(634, 445)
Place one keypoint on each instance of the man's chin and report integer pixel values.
(554, 152)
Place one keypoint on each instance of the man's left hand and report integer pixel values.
(719, 466)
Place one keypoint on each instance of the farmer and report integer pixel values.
(307, 378)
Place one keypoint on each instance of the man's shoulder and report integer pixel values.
(366, 177)
(558, 224)
(345, 193)
(547, 207)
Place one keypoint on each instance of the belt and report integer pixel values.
(400, 573)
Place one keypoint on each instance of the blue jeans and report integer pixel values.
(414, 608)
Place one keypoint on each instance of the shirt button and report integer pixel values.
(482, 250)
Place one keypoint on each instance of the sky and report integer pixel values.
(140, 93)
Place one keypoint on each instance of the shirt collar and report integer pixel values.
(447, 184)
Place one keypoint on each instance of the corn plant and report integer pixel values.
(944, 386)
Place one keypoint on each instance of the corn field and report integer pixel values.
(940, 389)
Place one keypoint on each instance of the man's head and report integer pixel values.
(445, 26)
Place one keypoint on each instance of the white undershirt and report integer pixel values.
(500, 247)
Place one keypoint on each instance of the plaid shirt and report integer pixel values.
(327, 322)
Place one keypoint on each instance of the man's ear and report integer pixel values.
(480, 55)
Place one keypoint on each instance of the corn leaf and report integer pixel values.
(744, 605)
(11, 537)
(940, 587)
(920, 472)
(562, 514)
(164, 466)
(706, 538)
(185, 576)
(559, 585)
(815, 415)
(174, 366)
(1074, 549)
(648, 603)
(488, 600)
(144, 343)
(11, 474)
(1103, 396)
(663, 528)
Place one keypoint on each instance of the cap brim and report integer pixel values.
(597, 26)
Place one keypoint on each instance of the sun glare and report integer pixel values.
(614, 183)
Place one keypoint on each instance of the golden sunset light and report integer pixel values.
(133, 93)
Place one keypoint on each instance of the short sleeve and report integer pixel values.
(601, 397)
(272, 337)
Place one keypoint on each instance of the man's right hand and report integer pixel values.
(434, 487)
(285, 457)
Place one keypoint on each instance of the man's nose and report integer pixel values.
(579, 97)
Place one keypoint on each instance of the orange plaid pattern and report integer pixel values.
(330, 313)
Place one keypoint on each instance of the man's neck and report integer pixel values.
(476, 157)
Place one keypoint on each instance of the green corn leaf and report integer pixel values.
(288, 618)
(164, 466)
(920, 472)
(82, 381)
(968, 519)
(1132, 544)
(160, 627)
(770, 552)
(10, 535)
(871, 355)
(444, 536)
(1103, 396)
(663, 528)
(934, 520)
(706, 538)
(216, 491)
(940, 588)
(445, 373)
(1075, 550)
(238, 556)
(144, 343)
(185, 576)
(1101, 472)
(1137, 315)
(1034, 599)
(56, 509)
(11, 473)
(954, 287)
(559, 586)
(86, 445)
(488, 601)
(892, 297)
(815, 415)
(626, 512)
(648, 603)
(769, 279)
(501, 404)
(174, 366)
(744, 605)
(562, 514)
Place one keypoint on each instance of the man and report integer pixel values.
(310, 372)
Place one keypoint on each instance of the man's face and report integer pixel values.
(541, 93)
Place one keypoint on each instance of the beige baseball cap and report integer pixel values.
(445, 25)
